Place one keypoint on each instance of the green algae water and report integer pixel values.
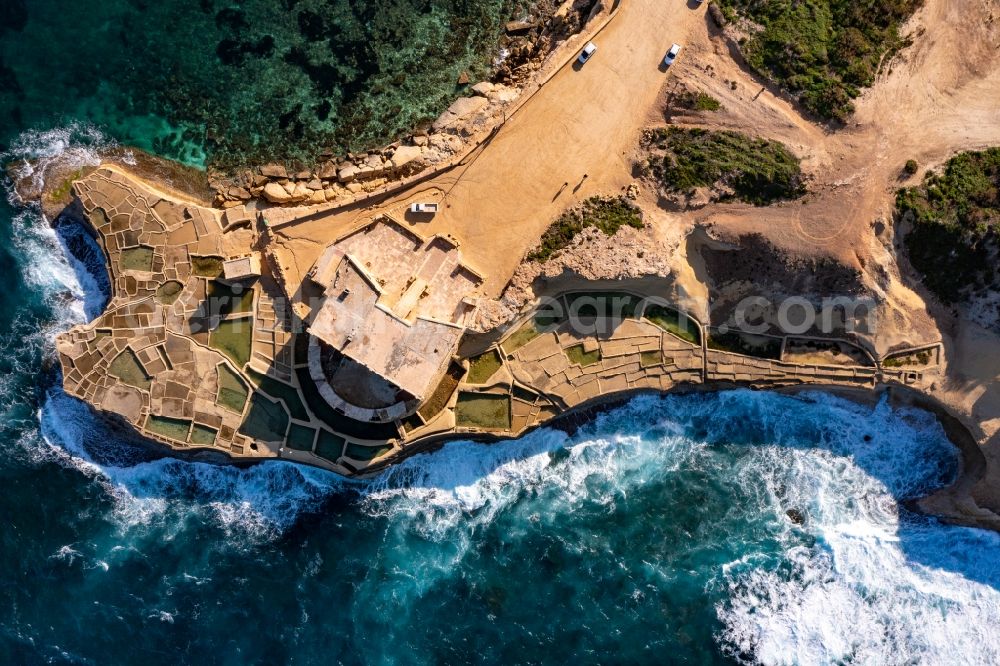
(737, 527)
(237, 82)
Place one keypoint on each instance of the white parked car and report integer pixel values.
(587, 51)
(668, 59)
(426, 208)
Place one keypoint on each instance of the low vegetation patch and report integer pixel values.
(202, 435)
(442, 394)
(955, 218)
(206, 266)
(609, 214)
(759, 346)
(920, 358)
(698, 101)
(822, 51)
(175, 429)
(137, 259)
(169, 292)
(365, 453)
(284, 392)
(233, 337)
(483, 410)
(530, 330)
(127, 368)
(233, 393)
(739, 167)
(300, 437)
(484, 366)
(223, 299)
(576, 354)
(266, 420)
(612, 306)
(648, 359)
(674, 322)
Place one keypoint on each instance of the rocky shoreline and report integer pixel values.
(527, 48)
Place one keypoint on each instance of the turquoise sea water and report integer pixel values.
(244, 80)
(660, 532)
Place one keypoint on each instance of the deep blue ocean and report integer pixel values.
(661, 532)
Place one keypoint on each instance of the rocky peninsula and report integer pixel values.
(315, 316)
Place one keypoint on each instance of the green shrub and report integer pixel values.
(823, 51)
(955, 217)
(911, 167)
(758, 171)
(609, 214)
(700, 101)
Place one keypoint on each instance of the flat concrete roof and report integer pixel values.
(394, 303)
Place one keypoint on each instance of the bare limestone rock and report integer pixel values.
(275, 193)
(273, 171)
(301, 193)
(630, 253)
(348, 173)
(483, 88)
(503, 94)
(460, 110)
(405, 155)
(238, 193)
(328, 171)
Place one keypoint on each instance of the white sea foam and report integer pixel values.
(76, 145)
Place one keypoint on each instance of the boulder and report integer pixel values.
(459, 110)
(301, 192)
(276, 194)
(483, 88)
(303, 175)
(374, 161)
(315, 184)
(503, 94)
(238, 193)
(404, 155)
(273, 171)
(328, 171)
(420, 140)
(463, 79)
(519, 27)
(317, 197)
(348, 173)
